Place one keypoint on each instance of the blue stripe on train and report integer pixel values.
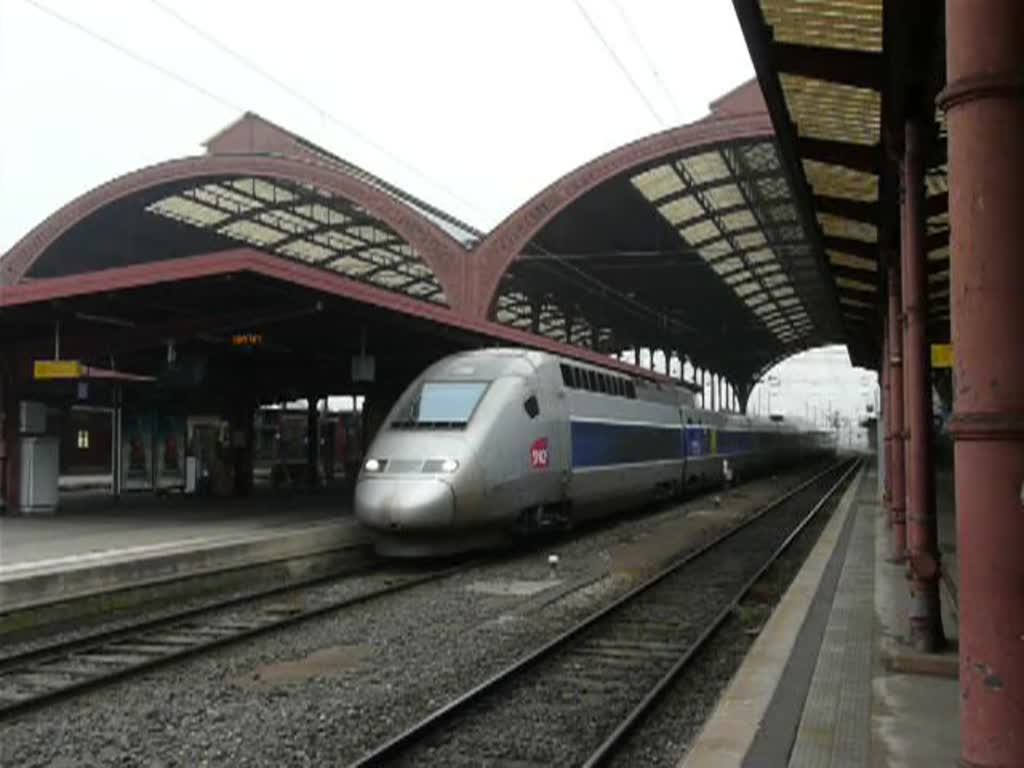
(598, 444)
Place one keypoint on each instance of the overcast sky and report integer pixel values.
(473, 105)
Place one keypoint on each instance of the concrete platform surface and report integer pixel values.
(98, 547)
(826, 682)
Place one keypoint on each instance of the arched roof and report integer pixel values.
(296, 207)
(714, 246)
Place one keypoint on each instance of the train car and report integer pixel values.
(492, 444)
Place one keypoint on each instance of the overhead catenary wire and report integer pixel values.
(308, 102)
(619, 62)
(605, 288)
(647, 57)
(135, 56)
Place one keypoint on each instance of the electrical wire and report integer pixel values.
(606, 289)
(650, 61)
(137, 57)
(621, 65)
(308, 102)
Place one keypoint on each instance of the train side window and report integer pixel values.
(602, 383)
(531, 406)
(592, 381)
(575, 375)
(566, 375)
(618, 386)
(631, 390)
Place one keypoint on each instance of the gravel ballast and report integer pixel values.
(329, 690)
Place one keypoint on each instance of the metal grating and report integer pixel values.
(823, 109)
(849, 24)
(305, 224)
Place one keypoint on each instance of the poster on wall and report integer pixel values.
(136, 450)
(170, 451)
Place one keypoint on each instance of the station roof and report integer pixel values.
(693, 239)
(701, 239)
(840, 77)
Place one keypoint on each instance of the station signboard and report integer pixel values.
(56, 369)
(942, 355)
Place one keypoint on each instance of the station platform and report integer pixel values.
(94, 545)
(830, 680)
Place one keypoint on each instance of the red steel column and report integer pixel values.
(985, 105)
(897, 466)
(886, 425)
(922, 527)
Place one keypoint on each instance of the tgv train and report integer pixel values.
(490, 444)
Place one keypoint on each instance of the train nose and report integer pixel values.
(406, 504)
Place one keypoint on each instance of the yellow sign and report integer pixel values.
(57, 369)
(247, 339)
(942, 355)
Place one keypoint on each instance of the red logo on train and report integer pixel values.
(539, 453)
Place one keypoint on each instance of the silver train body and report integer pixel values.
(491, 444)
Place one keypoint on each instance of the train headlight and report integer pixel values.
(373, 465)
(449, 465)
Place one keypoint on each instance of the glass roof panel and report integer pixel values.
(183, 209)
(839, 181)
(696, 233)
(705, 167)
(738, 220)
(307, 251)
(852, 262)
(825, 109)
(251, 232)
(855, 285)
(738, 277)
(760, 256)
(727, 265)
(837, 226)
(750, 240)
(745, 289)
(714, 250)
(725, 196)
(658, 182)
(681, 210)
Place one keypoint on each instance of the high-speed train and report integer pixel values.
(490, 444)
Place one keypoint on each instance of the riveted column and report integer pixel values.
(984, 102)
(897, 466)
(922, 529)
(886, 426)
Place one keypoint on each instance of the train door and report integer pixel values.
(552, 447)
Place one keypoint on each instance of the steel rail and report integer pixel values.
(404, 740)
(619, 735)
(42, 661)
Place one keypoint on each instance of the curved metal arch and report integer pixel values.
(495, 254)
(438, 250)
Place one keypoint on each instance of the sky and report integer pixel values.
(473, 106)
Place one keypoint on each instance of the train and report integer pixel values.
(490, 445)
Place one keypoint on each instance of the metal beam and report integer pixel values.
(858, 157)
(849, 67)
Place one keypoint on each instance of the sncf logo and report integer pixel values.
(539, 453)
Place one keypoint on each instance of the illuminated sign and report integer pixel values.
(942, 355)
(247, 339)
(57, 369)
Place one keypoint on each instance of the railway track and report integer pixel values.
(55, 672)
(574, 700)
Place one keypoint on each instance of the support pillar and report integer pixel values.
(985, 107)
(9, 468)
(922, 526)
(714, 391)
(885, 422)
(897, 466)
(312, 441)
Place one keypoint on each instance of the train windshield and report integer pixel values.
(442, 404)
